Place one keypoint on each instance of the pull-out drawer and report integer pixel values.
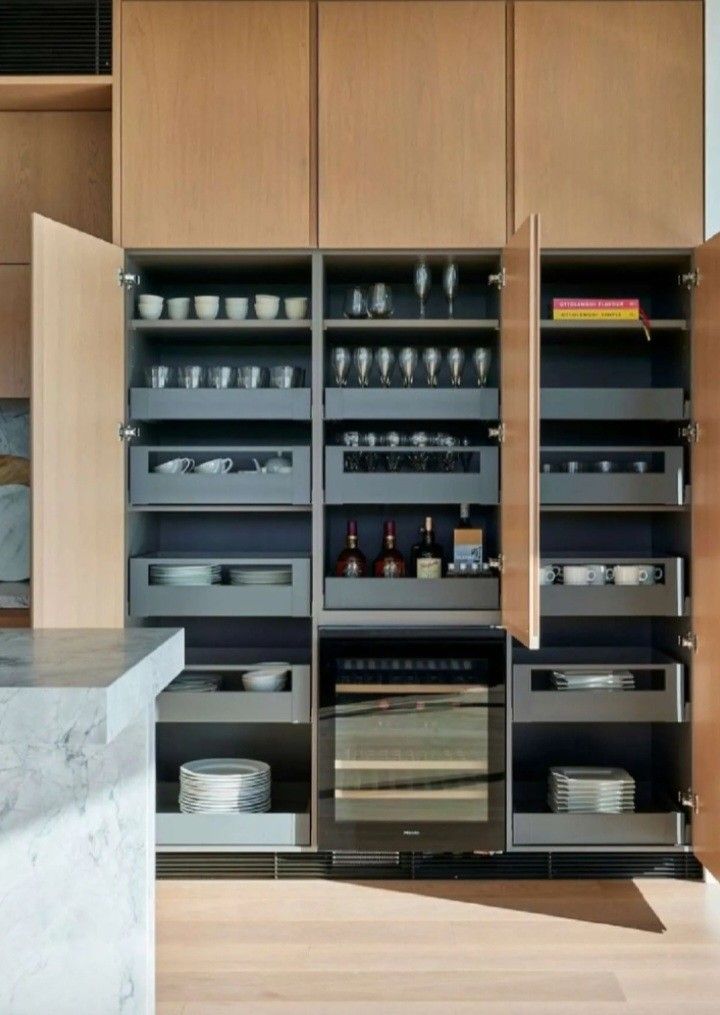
(243, 483)
(414, 403)
(408, 475)
(219, 403)
(612, 403)
(412, 593)
(291, 599)
(648, 828)
(658, 695)
(635, 475)
(663, 598)
(231, 703)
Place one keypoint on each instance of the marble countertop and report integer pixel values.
(82, 686)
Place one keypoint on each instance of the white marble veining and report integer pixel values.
(77, 806)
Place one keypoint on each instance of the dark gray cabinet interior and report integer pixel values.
(608, 394)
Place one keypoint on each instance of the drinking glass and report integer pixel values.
(456, 363)
(407, 360)
(432, 358)
(385, 362)
(220, 377)
(482, 358)
(191, 376)
(341, 360)
(159, 377)
(363, 360)
(355, 302)
(450, 285)
(380, 300)
(251, 377)
(422, 279)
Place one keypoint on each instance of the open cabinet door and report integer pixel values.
(520, 444)
(705, 564)
(78, 380)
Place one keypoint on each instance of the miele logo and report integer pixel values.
(410, 831)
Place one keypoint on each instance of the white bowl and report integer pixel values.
(236, 307)
(267, 307)
(179, 308)
(295, 307)
(272, 679)
(207, 307)
(150, 308)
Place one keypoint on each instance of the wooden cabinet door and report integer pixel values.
(520, 445)
(411, 115)
(609, 121)
(78, 382)
(705, 569)
(215, 123)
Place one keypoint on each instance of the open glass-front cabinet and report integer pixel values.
(197, 462)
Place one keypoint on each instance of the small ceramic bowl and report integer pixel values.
(296, 307)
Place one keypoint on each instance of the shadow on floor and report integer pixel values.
(613, 903)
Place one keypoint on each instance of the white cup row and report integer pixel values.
(601, 574)
(278, 465)
(207, 308)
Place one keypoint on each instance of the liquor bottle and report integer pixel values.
(429, 562)
(351, 563)
(464, 522)
(389, 563)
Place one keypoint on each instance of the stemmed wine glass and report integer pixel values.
(422, 279)
(450, 284)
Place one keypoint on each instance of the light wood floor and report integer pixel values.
(438, 948)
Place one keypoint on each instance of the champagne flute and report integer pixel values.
(422, 279)
(450, 285)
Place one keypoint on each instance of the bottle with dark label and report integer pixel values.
(351, 563)
(429, 560)
(389, 563)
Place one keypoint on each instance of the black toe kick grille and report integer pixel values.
(424, 866)
(55, 36)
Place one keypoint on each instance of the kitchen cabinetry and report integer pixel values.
(15, 330)
(608, 121)
(411, 118)
(215, 123)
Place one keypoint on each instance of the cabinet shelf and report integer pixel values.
(613, 403)
(640, 828)
(55, 92)
(665, 325)
(287, 823)
(427, 324)
(212, 403)
(420, 403)
(222, 330)
(663, 599)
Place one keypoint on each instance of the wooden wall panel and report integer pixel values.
(215, 147)
(56, 164)
(14, 331)
(411, 123)
(609, 121)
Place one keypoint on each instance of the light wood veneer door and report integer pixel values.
(705, 686)
(609, 121)
(78, 381)
(520, 447)
(215, 123)
(411, 115)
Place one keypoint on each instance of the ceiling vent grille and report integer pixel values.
(55, 36)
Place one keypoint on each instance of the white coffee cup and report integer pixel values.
(635, 574)
(266, 307)
(549, 575)
(150, 307)
(580, 574)
(236, 307)
(179, 308)
(215, 467)
(295, 307)
(207, 307)
(175, 466)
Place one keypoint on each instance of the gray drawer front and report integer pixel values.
(289, 706)
(619, 487)
(412, 594)
(148, 600)
(227, 403)
(612, 403)
(662, 600)
(232, 829)
(665, 705)
(651, 829)
(411, 403)
(148, 487)
(411, 488)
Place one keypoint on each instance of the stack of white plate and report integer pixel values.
(194, 683)
(593, 680)
(591, 790)
(260, 575)
(185, 574)
(224, 785)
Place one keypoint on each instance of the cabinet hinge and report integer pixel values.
(497, 563)
(689, 641)
(126, 431)
(690, 279)
(499, 279)
(126, 279)
(690, 432)
(686, 798)
(497, 431)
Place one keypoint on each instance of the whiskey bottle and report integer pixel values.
(429, 560)
(351, 563)
(389, 563)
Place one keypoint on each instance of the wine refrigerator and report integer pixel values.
(411, 750)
